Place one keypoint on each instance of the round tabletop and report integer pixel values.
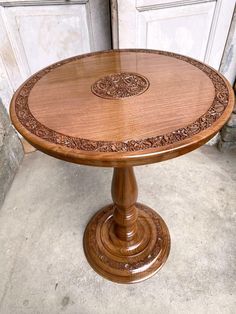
(122, 107)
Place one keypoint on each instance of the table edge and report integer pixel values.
(120, 159)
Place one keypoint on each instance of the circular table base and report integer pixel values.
(122, 261)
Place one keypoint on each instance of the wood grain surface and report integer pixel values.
(184, 103)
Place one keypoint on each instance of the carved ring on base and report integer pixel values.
(127, 262)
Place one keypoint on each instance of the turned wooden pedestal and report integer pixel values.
(126, 241)
(121, 109)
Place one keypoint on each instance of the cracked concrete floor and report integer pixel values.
(42, 265)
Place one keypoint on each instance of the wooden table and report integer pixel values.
(120, 109)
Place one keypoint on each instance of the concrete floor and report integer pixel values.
(42, 265)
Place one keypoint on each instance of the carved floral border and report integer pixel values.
(218, 106)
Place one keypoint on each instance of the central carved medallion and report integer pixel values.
(120, 85)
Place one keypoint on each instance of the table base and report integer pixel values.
(125, 261)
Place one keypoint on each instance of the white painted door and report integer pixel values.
(34, 34)
(197, 28)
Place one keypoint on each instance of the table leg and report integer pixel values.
(126, 242)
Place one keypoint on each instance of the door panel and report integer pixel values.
(43, 35)
(197, 28)
(34, 34)
(182, 30)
